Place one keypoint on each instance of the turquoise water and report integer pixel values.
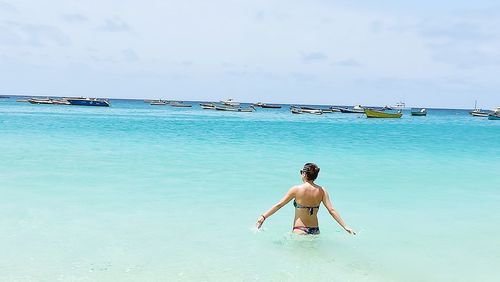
(142, 193)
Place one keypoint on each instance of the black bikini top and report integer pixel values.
(299, 206)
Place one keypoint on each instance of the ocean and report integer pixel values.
(137, 192)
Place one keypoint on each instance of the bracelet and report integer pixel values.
(263, 216)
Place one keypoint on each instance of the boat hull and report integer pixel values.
(418, 114)
(494, 117)
(84, 102)
(377, 114)
(351, 111)
(479, 114)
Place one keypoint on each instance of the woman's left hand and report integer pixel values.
(260, 221)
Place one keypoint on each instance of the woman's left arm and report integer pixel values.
(289, 196)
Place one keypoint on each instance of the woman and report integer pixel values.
(306, 199)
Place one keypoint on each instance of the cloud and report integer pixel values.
(4, 6)
(15, 33)
(313, 57)
(130, 55)
(114, 26)
(347, 63)
(74, 18)
(465, 44)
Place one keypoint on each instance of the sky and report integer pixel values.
(424, 53)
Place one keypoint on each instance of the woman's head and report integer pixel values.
(310, 171)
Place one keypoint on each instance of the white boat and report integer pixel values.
(230, 102)
(399, 106)
(207, 106)
(158, 103)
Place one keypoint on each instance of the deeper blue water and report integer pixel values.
(153, 193)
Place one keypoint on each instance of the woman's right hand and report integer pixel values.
(260, 221)
(350, 230)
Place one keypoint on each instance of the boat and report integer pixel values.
(270, 106)
(417, 112)
(180, 105)
(378, 114)
(305, 110)
(354, 110)
(38, 101)
(495, 115)
(234, 109)
(207, 106)
(478, 112)
(62, 101)
(23, 100)
(335, 109)
(89, 102)
(4, 97)
(230, 102)
(266, 106)
(399, 106)
(158, 102)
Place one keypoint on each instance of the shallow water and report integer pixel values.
(136, 192)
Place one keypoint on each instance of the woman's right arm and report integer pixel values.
(335, 214)
(289, 196)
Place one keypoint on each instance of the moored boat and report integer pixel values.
(418, 112)
(478, 113)
(234, 109)
(207, 106)
(95, 102)
(378, 114)
(495, 115)
(158, 102)
(270, 106)
(305, 110)
(179, 104)
(230, 102)
(38, 101)
(354, 110)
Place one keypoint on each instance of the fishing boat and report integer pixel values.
(305, 110)
(270, 106)
(62, 101)
(179, 104)
(230, 102)
(495, 115)
(378, 114)
(89, 102)
(478, 112)
(208, 106)
(158, 102)
(354, 110)
(234, 109)
(418, 112)
(399, 106)
(38, 101)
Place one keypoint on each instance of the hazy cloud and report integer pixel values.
(4, 6)
(347, 63)
(15, 33)
(130, 55)
(313, 57)
(74, 18)
(114, 26)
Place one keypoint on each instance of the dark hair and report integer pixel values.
(311, 170)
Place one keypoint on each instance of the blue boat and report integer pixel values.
(88, 102)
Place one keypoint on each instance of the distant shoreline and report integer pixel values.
(276, 103)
